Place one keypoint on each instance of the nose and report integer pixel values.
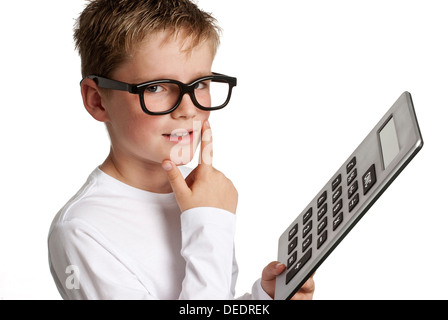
(186, 109)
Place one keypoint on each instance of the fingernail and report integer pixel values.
(167, 166)
(278, 265)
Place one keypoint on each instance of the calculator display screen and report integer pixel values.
(389, 142)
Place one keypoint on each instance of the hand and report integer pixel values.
(272, 270)
(205, 186)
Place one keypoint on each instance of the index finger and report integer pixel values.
(206, 156)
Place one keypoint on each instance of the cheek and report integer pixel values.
(143, 128)
(141, 137)
(128, 125)
(120, 106)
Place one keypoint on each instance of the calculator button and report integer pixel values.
(307, 242)
(369, 179)
(292, 245)
(298, 266)
(307, 215)
(352, 203)
(336, 182)
(351, 164)
(307, 228)
(292, 259)
(321, 239)
(352, 189)
(321, 226)
(321, 212)
(352, 176)
(337, 222)
(293, 232)
(337, 207)
(337, 194)
(321, 199)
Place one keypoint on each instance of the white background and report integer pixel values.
(314, 78)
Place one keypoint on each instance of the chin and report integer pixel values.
(182, 155)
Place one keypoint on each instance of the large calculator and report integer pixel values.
(347, 196)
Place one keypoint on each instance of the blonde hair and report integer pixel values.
(108, 31)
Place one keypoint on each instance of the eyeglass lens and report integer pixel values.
(164, 96)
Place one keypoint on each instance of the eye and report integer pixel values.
(201, 85)
(154, 89)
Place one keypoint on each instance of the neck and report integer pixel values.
(146, 176)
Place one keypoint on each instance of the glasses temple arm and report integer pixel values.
(106, 83)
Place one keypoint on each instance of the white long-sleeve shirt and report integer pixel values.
(114, 241)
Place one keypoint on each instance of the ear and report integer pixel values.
(93, 100)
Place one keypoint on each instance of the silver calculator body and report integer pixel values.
(347, 196)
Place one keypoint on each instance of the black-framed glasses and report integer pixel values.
(161, 97)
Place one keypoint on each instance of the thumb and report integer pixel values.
(180, 187)
(272, 270)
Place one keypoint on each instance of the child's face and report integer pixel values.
(146, 139)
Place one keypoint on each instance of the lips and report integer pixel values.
(182, 136)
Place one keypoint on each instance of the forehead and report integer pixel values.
(164, 55)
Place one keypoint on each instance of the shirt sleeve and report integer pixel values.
(257, 293)
(85, 267)
(207, 247)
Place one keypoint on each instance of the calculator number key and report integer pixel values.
(336, 182)
(321, 212)
(307, 216)
(351, 165)
(307, 229)
(307, 242)
(321, 226)
(321, 199)
(321, 239)
(337, 194)
(292, 245)
(337, 207)
(293, 232)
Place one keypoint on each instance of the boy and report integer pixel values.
(137, 229)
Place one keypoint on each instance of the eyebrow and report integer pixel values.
(194, 77)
